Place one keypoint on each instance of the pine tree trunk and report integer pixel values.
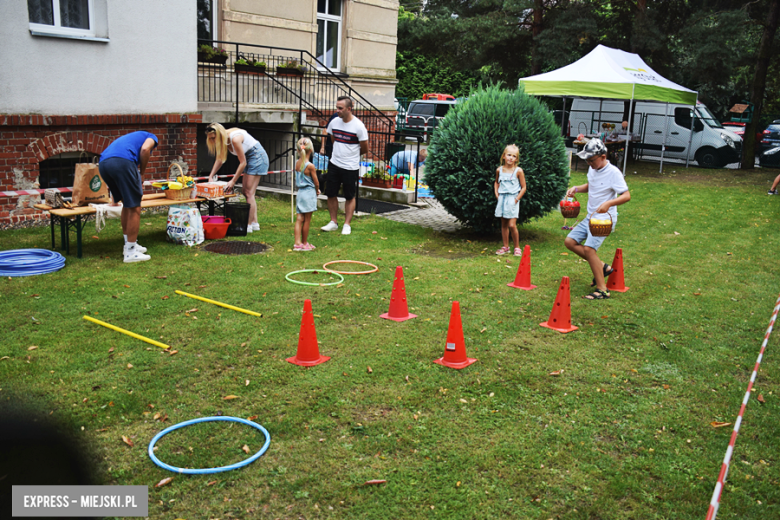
(758, 87)
(536, 30)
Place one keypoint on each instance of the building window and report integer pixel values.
(61, 17)
(58, 171)
(207, 20)
(329, 33)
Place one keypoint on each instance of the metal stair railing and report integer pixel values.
(314, 90)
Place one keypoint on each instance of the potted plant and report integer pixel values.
(209, 54)
(242, 65)
(378, 179)
(290, 68)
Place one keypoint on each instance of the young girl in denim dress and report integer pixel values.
(308, 189)
(509, 189)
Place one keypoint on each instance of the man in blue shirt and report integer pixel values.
(122, 166)
(405, 162)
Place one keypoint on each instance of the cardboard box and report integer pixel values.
(210, 190)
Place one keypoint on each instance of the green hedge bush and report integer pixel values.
(466, 149)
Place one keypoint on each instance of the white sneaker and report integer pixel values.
(255, 226)
(346, 230)
(138, 247)
(134, 255)
(331, 226)
(249, 229)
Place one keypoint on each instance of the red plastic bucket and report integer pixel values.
(215, 227)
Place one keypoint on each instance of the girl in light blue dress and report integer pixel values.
(308, 189)
(509, 189)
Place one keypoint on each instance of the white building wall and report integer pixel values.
(148, 66)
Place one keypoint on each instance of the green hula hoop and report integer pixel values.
(287, 277)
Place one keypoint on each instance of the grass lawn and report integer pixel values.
(623, 432)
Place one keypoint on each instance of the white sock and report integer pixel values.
(125, 238)
(130, 245)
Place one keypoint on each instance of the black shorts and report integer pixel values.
(123, 180)
(338, 177)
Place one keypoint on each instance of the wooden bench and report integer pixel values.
(72, 218)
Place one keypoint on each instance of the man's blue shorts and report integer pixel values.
(582, 232)
(123, 180)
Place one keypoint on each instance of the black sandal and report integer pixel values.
(606, 274)
(598, 294)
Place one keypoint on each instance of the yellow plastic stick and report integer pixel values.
(123, 331)
(225, 305)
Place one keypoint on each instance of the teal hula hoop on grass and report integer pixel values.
(287, 277)
(205, 471)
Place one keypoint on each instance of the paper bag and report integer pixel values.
(88, 186)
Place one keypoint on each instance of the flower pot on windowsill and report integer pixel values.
(249, 69)
(287, 71)
(398, 182)
(219, 60)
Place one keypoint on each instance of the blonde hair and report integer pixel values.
(219, 146)
(308, 148)
(509, 147)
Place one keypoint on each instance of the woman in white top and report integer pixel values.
(253, 162)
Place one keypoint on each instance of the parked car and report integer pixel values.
(771, 136)
(424, 115)
(770, 157)
(739, 129)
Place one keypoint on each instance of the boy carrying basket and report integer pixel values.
(606, 188)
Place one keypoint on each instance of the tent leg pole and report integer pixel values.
(690, 136)
(666, 130)
(628, 130)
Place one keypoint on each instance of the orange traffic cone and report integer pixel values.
(523, 278)
(308, 352)
(455, 350)
(560, 317)
(399, 311)
(616, 281)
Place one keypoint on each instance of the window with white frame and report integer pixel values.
(207, 20)
(329, 15)
(71, 18)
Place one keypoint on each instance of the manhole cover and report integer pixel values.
(237, 248)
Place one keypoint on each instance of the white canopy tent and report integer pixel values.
(609, 73)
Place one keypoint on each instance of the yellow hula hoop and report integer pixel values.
(325, 266)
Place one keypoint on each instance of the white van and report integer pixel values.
(712, 145)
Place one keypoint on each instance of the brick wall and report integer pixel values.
(26, 140)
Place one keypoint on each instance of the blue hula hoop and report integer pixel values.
(205, 471)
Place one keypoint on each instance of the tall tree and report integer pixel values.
(758, 88)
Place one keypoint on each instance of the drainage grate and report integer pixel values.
(376, 206)
(237, 248)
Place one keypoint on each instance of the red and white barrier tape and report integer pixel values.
(149, 183)
(715, 501)
(70, 190)
(32, 192)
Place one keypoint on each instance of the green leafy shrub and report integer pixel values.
(466, 149)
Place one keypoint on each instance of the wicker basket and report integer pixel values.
(173, 175)
(570, 211)
(601, 230)
(181, 194)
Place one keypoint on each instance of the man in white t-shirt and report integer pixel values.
(606, 188)
(350, 141)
